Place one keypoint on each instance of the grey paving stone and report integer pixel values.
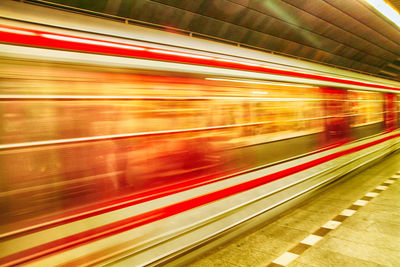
(287, 234)
(357, 250)
(305, 220)
(243, 257)
(373, 207)
(211, 262)
(376, 216)
(377, 239)
(386, 201)
(327, 206)
(263, 243)
(325, 258)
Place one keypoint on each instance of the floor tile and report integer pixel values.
(262, 243)
(287, 234)
(379, 240)
(285, 258)
(304, 220)
(211, 262)
(241, 257)
(326, 206)
(311, 239)
(320, 258)
(360, 251)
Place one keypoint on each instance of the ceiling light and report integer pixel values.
(385, 9)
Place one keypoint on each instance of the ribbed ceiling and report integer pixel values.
(348, 34)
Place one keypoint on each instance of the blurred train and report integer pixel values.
(127, 145)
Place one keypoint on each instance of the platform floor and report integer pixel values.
(354, 223)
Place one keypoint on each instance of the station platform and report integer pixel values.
(355, 222)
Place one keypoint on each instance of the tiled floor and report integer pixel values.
(369, 237)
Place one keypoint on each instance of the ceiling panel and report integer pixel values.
(348, 34)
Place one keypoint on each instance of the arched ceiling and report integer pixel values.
(344, 33)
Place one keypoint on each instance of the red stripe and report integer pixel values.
(164, 212)
(40, 41)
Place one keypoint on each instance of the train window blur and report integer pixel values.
(366, 107)
(337, 115)
(397, 106)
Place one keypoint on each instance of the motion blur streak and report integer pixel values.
(178, 54)
(10, 30)
(88, 41)
(118, 144)
(101, 128)
(258, 82)
(127, 125)
(169, 55)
